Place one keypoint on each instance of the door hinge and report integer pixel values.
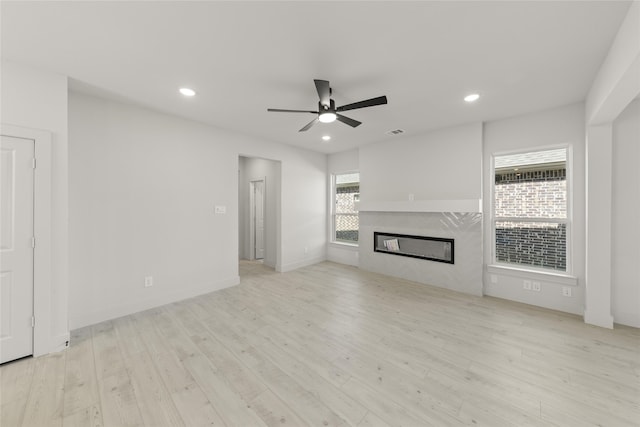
(33, 242)
(33, 321)
(34, 163)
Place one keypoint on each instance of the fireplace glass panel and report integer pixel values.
(423, 247)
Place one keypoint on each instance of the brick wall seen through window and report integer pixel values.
(345, 218)
(530, 209)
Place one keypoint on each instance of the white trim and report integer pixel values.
(299, 264)
(592, 317)
(492, 203)
(462, 205)
(60, 342)
(43, 343)
(529, 150)
(568, 221)
(252, 227)
(344, 245)
(543, 275)
(569, 185)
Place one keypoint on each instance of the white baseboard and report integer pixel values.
(347, 255)
(627, 319)
(60, 342)
(299, 264)
(598, 319)
(137, 306)
(56, 343)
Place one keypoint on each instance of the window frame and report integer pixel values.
(332, 228)
(568, 221)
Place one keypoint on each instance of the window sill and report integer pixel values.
(341, 245)
(559, 278)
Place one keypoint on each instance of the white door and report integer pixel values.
(16, 248)
(258, 218)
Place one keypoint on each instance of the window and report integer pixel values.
(346, 192)
(531, 220)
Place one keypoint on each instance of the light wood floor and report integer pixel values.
(331, 345)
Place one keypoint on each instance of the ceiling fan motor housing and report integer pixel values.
(330, 107)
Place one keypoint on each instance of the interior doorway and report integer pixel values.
(259, 210)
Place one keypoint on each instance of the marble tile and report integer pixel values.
(465, 275)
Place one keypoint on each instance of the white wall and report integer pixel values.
(303, 205)
(251, 169)
(563, 125)
(38, 100)
(625, 298)
(442, 165)
(143, 187)
(346, 161)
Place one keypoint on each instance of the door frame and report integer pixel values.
(42, 265)
(252, 225)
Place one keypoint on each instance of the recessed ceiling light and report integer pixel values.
(187, 92)
(472, 97)
(326, 138)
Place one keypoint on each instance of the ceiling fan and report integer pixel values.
(327, 111)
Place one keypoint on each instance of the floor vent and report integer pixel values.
(394, 132)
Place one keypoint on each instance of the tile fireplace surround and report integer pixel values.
(465, 228)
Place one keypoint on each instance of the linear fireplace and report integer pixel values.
(422, 247)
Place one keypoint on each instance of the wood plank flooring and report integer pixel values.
(330, 345)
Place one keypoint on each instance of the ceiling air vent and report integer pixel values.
(394, 132)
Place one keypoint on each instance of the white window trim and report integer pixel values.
(569, 220)
(332, 216)
(560, 278)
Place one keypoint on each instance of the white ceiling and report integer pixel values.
(244, 57)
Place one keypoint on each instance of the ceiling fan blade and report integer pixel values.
(324, 91)
(348, 121)
(362, 104)
(308, 126)
(278, 110)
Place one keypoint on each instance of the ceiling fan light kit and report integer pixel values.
(327, 111)
(327, 117)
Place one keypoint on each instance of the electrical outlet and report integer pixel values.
(535, 286)
(411, 197)
(566, 291)
(148, 281)
(494, 278)
(526, 284)
(306, 250)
